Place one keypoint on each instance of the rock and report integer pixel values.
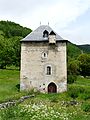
(14, 102)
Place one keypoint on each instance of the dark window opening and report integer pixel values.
(48, 70)
(44, 54)
(45, 34)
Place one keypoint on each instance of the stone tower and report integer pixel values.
(43, 61)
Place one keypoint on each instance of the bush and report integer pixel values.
(8, 113)
(85, 96)
(71, 79)
(18, 87)
(74, 91)
(85, 107)
(53, 99)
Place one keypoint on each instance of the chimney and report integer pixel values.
(52, 38)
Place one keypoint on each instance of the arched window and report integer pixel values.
(48, 70)
(44, 55)
(45, 34)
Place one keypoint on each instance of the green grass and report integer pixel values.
(82, 81)
(8, 81)
(44, 106)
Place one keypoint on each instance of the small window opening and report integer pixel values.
(48, 70)
(44, 54)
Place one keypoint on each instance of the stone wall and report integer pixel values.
(34, 66)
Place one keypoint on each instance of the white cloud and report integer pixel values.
(59, 13)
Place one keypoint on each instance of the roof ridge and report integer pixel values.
(37, 34)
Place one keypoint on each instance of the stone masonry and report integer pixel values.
(36, 57)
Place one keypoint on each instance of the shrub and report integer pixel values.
(53, 99)
(85, 107)
(9, 113)
(85, 96)
(71, 79)
(18, 87)
(74, 91)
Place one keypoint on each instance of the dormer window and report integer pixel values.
(45, 34)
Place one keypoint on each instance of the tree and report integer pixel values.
(9, 51)
(10, 36)
(84, 64)
(15, 45)
(73, 68)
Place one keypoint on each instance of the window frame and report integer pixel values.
(44, 55)
(48, 70)
(45, 34)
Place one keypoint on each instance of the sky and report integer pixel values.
(69, 18)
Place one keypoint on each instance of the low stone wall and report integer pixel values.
(69, 103)
(14, 102)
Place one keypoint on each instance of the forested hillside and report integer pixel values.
(73, 50)
(10, 36)
(11, 29)
(85, 48)
(78, 61)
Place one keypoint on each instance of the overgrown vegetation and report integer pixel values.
(78, 63)
(10, 36)
(42, 111)
(71, 105)
(85, 48)
(11, 29)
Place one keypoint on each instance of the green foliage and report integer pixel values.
(8, 81)
(8, 113)
(85, 96)
(9, 88)
(12, 29)
(73, 64)
(85, 106)
(74, 91)
(10, 52)
(85, 48)
(73, 67)
(43, 106)
(45, 111)
(84, 64)
(10, 36)
(77, 63)
(53, 97)
(72, 50)
(72, 70)
(71, 79)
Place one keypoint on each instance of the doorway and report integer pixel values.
(52, 88)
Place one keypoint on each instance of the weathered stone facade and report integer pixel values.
(43, 66)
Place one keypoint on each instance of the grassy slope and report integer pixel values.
(8, 81)
(49, 104)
